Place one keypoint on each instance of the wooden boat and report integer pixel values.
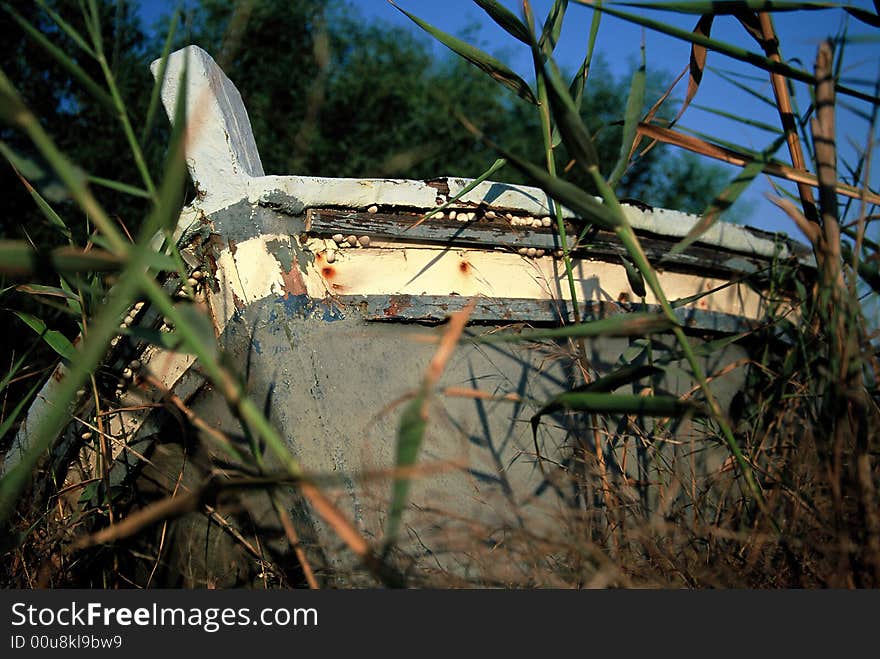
(329, 297)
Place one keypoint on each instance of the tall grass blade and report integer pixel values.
(730, 145)
(634, 104)
(604, 403)
(494, 167)
(505, 19)
(746, 121)
(61, 57)
(724, 48)
(553, 26)
(863, 39)
(742, 159)
(589, 397)
(863, 15)
(13, 109)
(410, 434)
(68, 29)
(160, 77)
(118, 186)
(576, 88)
(750, 21)
(736, 6)
(652, 112)
(90, 352)
(482, 60)
(158, 261)
(47, 210)
(93, 22)
(74, 300)
(588, 207)
(134, 276)
(568, 120)
(690, 299)
(620, 377)
(53, 338)
(739, 6)
(414, 420)
(41, 289)
(25, 166)
(696, 65)
(726, 198)
(19, 257)
(551, 136)
(120, 106)
(737, 82)
(810, 229)
(634, 277)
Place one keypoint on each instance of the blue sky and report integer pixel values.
(800, 33)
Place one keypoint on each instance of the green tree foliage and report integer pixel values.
(84, 128)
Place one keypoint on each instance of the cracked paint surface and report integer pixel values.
(250, 272)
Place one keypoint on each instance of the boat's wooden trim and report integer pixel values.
(514, 232)
(494, 311)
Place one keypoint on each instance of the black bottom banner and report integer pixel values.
(161, 623)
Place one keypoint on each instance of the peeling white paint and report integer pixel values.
(220, 148)
(676, 224)
(249, 274)
(42, 406)
(315, 192)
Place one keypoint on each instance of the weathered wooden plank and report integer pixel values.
(436, 308)
(484, 232)
(498, 233)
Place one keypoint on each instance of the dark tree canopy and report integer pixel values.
(87, 131)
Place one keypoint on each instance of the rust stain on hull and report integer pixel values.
(293, 282)
(397, 306)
